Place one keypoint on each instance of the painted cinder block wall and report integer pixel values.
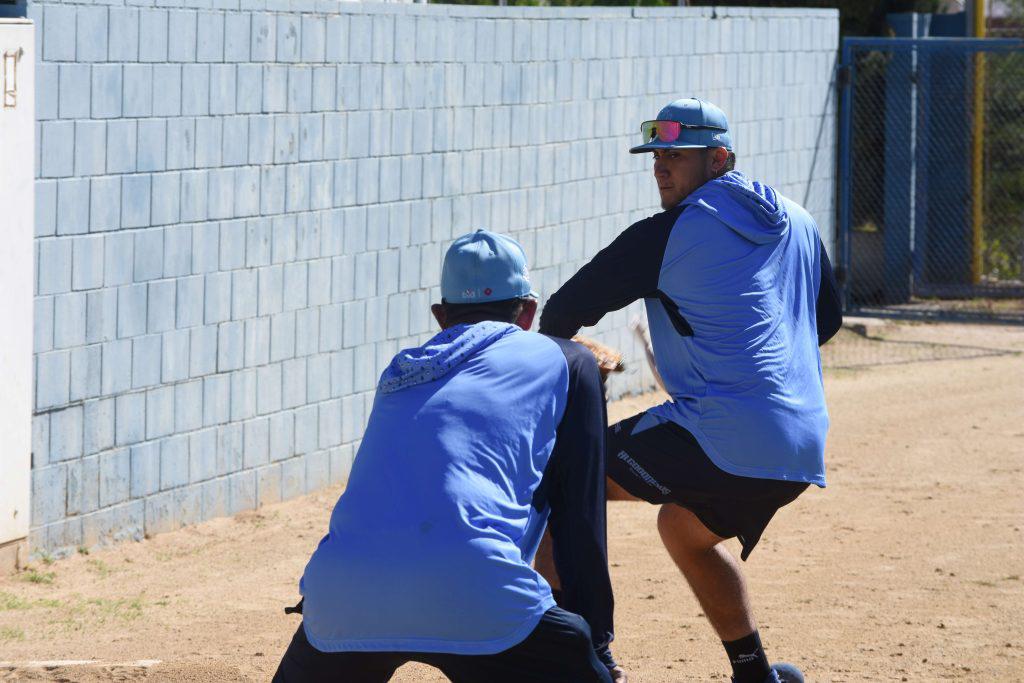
(242, 207)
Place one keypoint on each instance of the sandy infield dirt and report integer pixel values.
(907, 567)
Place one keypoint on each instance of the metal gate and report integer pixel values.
(931, 190)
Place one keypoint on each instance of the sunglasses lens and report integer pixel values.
(663, 131)
(668, 131)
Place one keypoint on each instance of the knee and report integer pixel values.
(682, 531)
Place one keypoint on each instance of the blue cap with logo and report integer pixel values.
(683, 124)
(484, 266)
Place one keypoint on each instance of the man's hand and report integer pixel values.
(609, 360)
(619, 675)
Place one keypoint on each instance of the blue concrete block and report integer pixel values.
(329, 419)
(257, 342)
(87, 262)
(261, 140)
(177, 251)
(98, 426)
(135, 201)
(257, 242)
(66, 434)
(153, 29)
(293, 478)
(40, 440)
(297, 188)
(188, 407)
(306, 429)
(131, 310)
(91, 34)
(371, 87)
(222, 89)
(272, 189)
(149, 254)
(236, 140)
(342, 373)
(295, 282)
(124, 34)
(357, 140)
(115, 477)
(72, 208)
(101, 315)
(286, 139)
(105, 203)
(232, 245)
(307, 235)
(311, 137)
(263, 46)
(159, 411)
(242, 492)
(173, 462)
(69, 320)
(282, 242)
(270, 290)
(83, 486)
(236, 36)
(49, 494)
(293, 378)
(368, 180)
(106, 91)
(210, 37)
(246, 191)
(208, 141)
(181, 143)
(348, 87)
(144, 464)
(202, 356)
(268, 485)
(205, 247)
(334, 135)
(152, 145)
(216, 400)
(174, 361)
(161, 306)
(130, 418)
(195, 92)
(217, 305)
(46, 208)
(307, 332)
(282, 336)
(57, 144)
(117, 368)
(42, 324)
(256, 443)
(194, 194)
(243, 395)
(121, 140)
(324, 88)
(314, 35)
(58, 33)
(182, 25)
(190, 297)
(202, 455)
(230, 345)
(336, 39)
(268, 389)
(90, 147)
(221, 193)
(146, 360)
(74, 84)
(85, 372)
(288, 38)
(166, 201)
(166, 88)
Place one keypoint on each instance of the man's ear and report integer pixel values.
(525, 317)
(717, 159)
(439, 314)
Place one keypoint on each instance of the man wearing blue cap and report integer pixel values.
(477, 440)
(739, 294)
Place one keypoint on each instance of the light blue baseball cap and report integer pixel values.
(685, 124)
(484, 266)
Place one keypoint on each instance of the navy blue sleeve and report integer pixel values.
(626, 270)
(574, 484)
(829, 308)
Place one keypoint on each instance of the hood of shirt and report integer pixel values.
(439, 356)
(750, 208)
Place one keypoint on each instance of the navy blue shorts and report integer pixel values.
(558, 650)
(665, 464)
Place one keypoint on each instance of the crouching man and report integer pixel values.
(477, 440)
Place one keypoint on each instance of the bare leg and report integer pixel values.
(710, 569)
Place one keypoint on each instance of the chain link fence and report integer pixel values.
(932, 184)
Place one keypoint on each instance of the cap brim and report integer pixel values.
(650, 147)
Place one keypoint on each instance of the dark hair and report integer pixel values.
(505, 311)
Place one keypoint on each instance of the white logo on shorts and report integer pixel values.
(643, 474)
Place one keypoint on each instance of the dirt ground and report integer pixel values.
(907, 567)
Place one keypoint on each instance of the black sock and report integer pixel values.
(749, 663)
